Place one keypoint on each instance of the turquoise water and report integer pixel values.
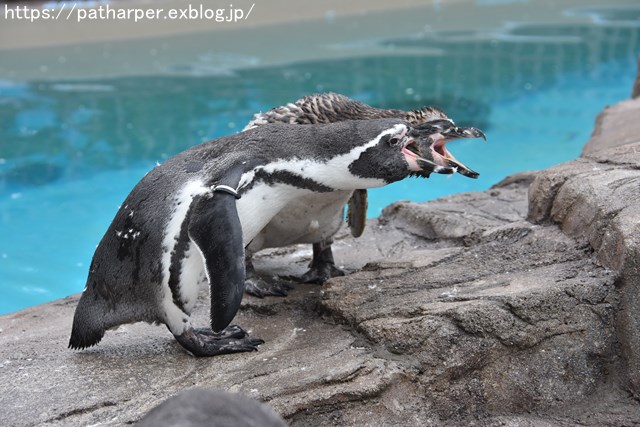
(70, 151)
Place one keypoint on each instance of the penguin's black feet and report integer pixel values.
(259, 287)
(320, 273)
(322, 267)
(205, 342)
(231, 331)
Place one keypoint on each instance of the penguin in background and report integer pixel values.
(201, 407)
(316, 218)
(189, 220)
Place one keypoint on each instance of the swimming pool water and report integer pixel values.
(70, 151)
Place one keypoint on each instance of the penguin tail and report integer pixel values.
(88, 322)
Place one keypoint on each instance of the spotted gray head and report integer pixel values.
(403, 150)
(425, 115)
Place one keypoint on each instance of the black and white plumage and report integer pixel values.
(188, 221)
(317, 218)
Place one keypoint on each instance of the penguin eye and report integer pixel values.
(395, 140)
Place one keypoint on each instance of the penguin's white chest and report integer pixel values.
(308, 219)
(259, 205)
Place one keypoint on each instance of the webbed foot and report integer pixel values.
(205, 342)
(231, 331)
(259, 287)
(320, 273)
(322, 267)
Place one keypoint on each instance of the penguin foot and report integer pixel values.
(205, 342)
(231, 331)
(259, 287)
(320, 273)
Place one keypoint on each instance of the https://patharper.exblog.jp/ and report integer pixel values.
(78, 12)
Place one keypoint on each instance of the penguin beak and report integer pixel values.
(427, 154)
(443, 157)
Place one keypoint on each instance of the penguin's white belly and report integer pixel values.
(308, 219)
(261, 204)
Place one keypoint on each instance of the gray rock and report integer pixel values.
(615, 126)
(462, 216)
(596, 199)
(517, 306)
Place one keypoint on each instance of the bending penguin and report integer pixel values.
(188, 221)
(317, 217)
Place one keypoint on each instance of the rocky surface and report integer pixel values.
(516, 306)
(596, 199)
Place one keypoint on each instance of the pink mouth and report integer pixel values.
(411, 156)
(439, 151)
(443, 161)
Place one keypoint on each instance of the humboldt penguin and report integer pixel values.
(189, 220)
(317, 218)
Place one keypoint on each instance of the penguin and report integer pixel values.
(317, 218)
(202, 407)
(189, 220)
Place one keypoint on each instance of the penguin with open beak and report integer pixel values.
(189, 220)
(437, 158)
(317, 218)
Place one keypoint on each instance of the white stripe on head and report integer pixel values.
(335, 172)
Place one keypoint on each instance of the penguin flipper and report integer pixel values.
(357, 212)
(215, 228)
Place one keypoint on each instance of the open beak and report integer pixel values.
(442, 156)
(438, 159)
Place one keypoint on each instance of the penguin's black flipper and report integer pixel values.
(215, 228)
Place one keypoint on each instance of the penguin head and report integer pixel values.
(424, 115)
(414, 150)
(425, 148)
